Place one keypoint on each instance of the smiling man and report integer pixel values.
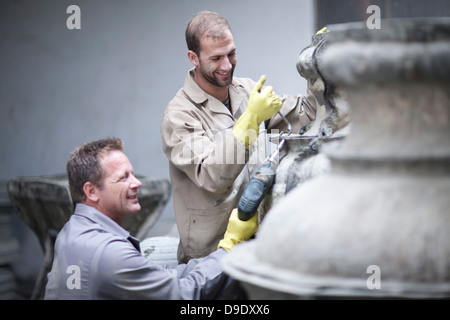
(212, 133)
(215, 60)
(95, 258)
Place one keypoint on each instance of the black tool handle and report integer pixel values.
(255, 191)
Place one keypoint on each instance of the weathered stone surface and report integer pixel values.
(385, 202)
(161, 250)
(9, 247)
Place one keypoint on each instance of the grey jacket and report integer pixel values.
(94, 259)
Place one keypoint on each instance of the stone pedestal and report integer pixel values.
(378, 223)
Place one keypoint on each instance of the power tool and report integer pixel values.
(261, 181)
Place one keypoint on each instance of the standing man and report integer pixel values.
(210, 133)
(95, 258)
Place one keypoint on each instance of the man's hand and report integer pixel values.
(238, 230)
(262, 104)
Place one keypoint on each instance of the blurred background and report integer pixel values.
(60, 88)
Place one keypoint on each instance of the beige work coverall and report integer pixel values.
(209, 168)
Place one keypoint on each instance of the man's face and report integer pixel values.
(217, 60)
(118, 197)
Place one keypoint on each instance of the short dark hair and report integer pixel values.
(205, 23)
(84, 165)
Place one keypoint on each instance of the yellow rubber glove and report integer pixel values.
(323, 30)
(262, 104)
(238, 230)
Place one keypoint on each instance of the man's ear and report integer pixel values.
(193, 57)
(90, 191)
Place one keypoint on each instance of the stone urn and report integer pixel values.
(377, 225)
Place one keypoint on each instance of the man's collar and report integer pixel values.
(105, 222)
(193, 90)
(198, 96)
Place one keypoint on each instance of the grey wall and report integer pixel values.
(60, 88)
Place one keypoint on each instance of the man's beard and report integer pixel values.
(213, 80)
